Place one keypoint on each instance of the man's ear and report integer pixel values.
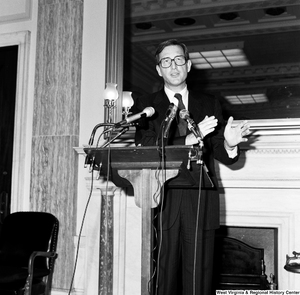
(189, 65)
(158, 70)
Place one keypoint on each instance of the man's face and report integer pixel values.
(174, 76)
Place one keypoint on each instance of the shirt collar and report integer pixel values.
(184, 92)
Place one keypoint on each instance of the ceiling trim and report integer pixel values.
(143, 10)
(213, 33)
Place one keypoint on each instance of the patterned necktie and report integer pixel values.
(182, 125)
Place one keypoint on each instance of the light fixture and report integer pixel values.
(110, 96)
(218, 59)
(293, 263)
(246, 98)
(184, 21)
(144, 26)
(228, 16)
(127, 102)
(275, 11)
(222, 55)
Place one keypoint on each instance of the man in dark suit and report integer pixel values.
(186, 243)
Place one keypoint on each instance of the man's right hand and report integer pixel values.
(206, 126)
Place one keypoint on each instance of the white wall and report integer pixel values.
(92, 113)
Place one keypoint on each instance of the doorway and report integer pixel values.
(8, 80)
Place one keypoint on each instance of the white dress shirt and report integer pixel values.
(184, 93)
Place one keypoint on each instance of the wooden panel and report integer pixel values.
(56, 123)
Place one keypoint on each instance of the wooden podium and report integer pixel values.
(146, 169)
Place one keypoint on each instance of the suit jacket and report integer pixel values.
(148, 133)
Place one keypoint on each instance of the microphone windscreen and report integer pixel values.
(184, 114)
(149, 111)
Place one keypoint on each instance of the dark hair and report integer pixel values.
(170, 42)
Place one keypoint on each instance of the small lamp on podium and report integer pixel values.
(127, 103)
(110, 95)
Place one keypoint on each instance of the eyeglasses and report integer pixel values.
(166, 62)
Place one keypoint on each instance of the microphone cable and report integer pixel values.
(162, 192)
(85, 212)
(80, 232)
(155, 197)
(196, 229)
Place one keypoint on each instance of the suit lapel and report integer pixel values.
(161, 104)
(195, 107)
(161, 100)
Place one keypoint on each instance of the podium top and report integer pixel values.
(143, 157)
(139, 157)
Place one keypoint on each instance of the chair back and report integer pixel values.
(25, 232)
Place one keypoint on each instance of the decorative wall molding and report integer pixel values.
(279, 70)
(274, 151)
(262, 188)
(22, 40)
(276, 134)
(212, 33)
(141, 8)
(247, 24)
(14, 11)
(276, 209)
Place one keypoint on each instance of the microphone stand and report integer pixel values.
(198, 157)
(199, 161)
(91, 140)
(126, 128)
(197, 134)
(96, 128)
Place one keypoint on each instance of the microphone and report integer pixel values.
(147, 112)
(192, 126)
(170, 115)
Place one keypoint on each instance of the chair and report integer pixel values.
(27, 253)
(238, 265)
